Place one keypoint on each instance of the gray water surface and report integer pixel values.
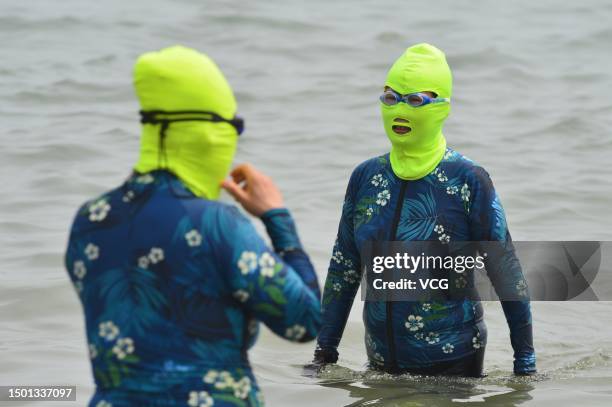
(532, 103)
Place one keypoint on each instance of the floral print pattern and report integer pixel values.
(200, 399)
(193, 238)
(98, 210)
(205, 299)
(414, 323)
(247, 262)
(455, 202)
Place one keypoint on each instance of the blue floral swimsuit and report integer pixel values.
(173, 287)
(455, 202)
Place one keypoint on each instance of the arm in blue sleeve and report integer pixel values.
(280, 290)
(488, 223)
(286, 242)
(341, 284)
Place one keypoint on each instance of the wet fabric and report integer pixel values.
(454, 202)
(173, 287)
(421, 68)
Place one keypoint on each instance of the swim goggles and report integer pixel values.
(165, 118)
(392, 98)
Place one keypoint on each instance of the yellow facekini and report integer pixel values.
(421, 68)
(200, 153)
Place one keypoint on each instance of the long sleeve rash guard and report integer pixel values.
(173, 287)
(455, 202)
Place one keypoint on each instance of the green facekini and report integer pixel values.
(198, 152)
(421, 68)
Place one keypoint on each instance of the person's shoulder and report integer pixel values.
(224, 209)
(97, 210)
(370, 166)
(461, 165)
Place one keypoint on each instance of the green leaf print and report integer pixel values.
(229, 399)
(276, 294)
(268, 309)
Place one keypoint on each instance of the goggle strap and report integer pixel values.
(161, 116)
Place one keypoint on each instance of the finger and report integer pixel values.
(244, 172)
(240, 173)
(234, 190)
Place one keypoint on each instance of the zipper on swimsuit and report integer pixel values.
(393, 236)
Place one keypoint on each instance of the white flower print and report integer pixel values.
(129, 195)
(98, 210)
(426, 306)
(78, 269)
(377, 179)
(266, 265)
(444, 238)
(211, 376)
(441, 175)
(108, 330)
(414, 323)
(448, 348)
(200, 399)
(242, 388)
(145, 179)
(338, 257)
(439, 229)
(123, 347)
(225, 381)
(419, 335)
(460, 282)
(247, 262)
(103, 403)
(93, 351)
(369, 212)
(348, 262)
(350, 276)
(384, 183)
(92, 251)
(296, 332)
(193, 237)
(156, 255)
(383, 197)
(476, 343)
(241, 295)
(465, 193)
(452, 190)
(143, 262)
(432, 338)
(337, 286)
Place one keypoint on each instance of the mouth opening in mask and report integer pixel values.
(400, 128)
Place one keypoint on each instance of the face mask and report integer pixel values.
(415, 154)
(198, 151)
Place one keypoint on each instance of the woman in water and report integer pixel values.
(173, 282)
(422, 191)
